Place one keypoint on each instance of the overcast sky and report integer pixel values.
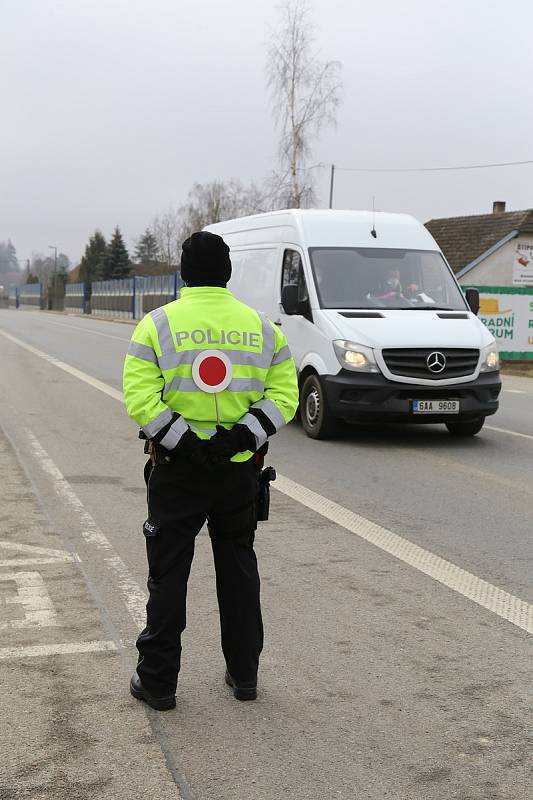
(111, 109)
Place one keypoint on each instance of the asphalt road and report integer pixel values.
(380, 678)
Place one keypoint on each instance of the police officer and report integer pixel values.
(199, 470)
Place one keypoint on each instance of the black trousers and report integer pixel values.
(180, 499)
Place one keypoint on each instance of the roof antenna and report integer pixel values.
(373, 231)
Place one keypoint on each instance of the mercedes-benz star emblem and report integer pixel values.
(436, 362)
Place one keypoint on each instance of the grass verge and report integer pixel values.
(522, 369)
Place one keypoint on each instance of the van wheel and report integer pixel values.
(469, 428)
(317, 420)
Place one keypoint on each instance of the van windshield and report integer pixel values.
(362, 277)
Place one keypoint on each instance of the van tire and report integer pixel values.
(469, 428)
(316, 417)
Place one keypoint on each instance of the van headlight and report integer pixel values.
(490, 359)
(355, 357)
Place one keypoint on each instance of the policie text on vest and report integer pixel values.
(198, 337)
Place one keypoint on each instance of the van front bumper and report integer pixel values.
(360, 397)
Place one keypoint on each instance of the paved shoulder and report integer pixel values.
(68, 727)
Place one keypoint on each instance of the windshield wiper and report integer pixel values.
(432, 308)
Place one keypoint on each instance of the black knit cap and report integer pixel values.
(205, 260)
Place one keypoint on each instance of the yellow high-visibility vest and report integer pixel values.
(158, 380)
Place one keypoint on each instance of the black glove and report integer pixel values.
(193, 448)
(226, 443)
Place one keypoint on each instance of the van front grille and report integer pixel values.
(416, 362)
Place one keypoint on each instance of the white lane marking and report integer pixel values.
(505, 605)
(509, 433)
(131, 592)
(33, 562)
(32, 595)
(484, 594)
(82, 376)
(514, 391)
(66, 648)
(88, 330)
(36, 555)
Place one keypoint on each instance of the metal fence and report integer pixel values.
(114, 298)
(31, 295)
(156, 290)
(75, 296)
(128, 298)
(132, 298)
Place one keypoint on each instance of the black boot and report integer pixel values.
(159, 703)
(241, 691)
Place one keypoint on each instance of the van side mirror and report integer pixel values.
(472, 298)
(289, 299)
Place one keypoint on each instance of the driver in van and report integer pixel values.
(391, 287)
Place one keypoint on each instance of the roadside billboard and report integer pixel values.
(523, 264)
(507, 311)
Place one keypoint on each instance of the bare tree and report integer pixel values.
(167, 229)
(46, 268)
(217, 201)
(206, 204)
(305, 95)
(42, 267)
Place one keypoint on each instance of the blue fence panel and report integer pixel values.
(75, 294)
(31, 294)
(159, 289)
(134, 297)
(14, 296)
(127, 298)
(113, 298)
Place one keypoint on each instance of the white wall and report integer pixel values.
(497, 269)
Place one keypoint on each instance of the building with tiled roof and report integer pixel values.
(74, 275)
(488, 249)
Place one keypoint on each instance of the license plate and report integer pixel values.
(435, 406)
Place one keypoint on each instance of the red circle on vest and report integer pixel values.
(212, 370)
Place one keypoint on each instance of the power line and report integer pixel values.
(313, 166)
(423, 169)
(334, 168)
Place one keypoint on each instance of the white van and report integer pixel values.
(377, 324)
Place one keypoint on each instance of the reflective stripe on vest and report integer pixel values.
(253, 425)
(142, 351)
(237, 385)
(271, 410)
(159, 422)
(162, 326)
(282, 355)
(174, 434)
(245, 358)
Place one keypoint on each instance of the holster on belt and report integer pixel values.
(264, 477)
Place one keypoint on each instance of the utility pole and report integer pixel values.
(331, 181)
(52, 289)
